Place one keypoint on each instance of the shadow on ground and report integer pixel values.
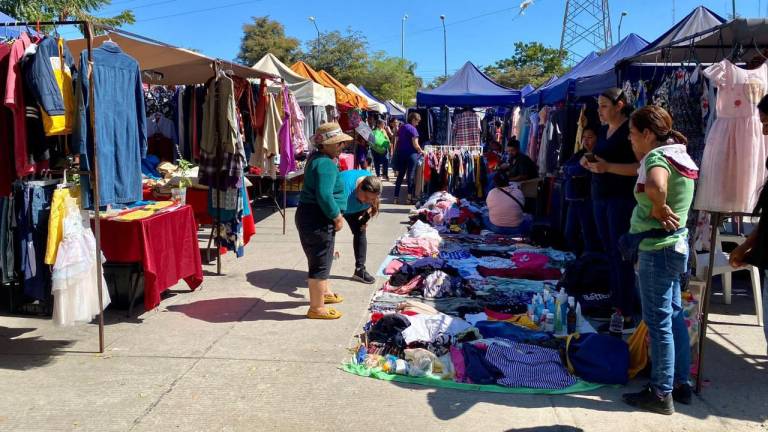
(23, 353)
(240, 309)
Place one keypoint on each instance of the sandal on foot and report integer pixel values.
(332, 298)
(330, 314)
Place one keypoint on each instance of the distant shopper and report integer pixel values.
(520, 167)
(363, 192)
(320, 216)
(505, 203)
(658, 237)
(408, 151)
(381, 147)
(580, 218)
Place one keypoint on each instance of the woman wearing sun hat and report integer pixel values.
(320, 216)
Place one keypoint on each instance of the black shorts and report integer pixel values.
(318, 239)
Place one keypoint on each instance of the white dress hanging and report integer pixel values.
(75, 291)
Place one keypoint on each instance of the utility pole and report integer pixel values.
(445, 47)
(314, 21)
(402, 36)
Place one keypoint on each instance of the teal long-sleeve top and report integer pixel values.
(323, 186)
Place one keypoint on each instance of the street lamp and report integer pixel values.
(314, 21)
(623, 14)
(445, 47)
(402, 36)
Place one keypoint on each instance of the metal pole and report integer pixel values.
(445, 47)
(715, 219)
(733, 4)
(95, 180)
(314, 22)
(621, 19)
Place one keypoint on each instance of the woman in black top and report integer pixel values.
(754, 250)
(614, 169)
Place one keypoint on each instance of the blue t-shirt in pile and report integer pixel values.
(349, 178)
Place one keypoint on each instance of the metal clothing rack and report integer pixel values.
(433, 148)
(716, 219)
(94, 174)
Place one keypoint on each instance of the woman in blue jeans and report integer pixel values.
(614, 171)
(664, 193)
(407, 156)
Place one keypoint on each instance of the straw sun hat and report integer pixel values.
(330, 133)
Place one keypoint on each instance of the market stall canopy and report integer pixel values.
(373, 104)
(306, 91)
(534, 97)
(344, 97)
(370, 95)
(740, 38)
(557, 90)
(469, 87)
(11, 32)
(395, 109)
(600, 74)
(358, 100)
(528, 89)
(165, 64)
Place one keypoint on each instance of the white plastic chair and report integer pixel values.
(724, 270)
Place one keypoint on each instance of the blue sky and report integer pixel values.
(478, 31)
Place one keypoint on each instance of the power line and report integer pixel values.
(198, 11)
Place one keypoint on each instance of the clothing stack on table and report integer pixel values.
(457, 312)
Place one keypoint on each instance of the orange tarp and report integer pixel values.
(344, 96)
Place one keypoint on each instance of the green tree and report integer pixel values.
(532, 63)
(437, 82)
(266, 36)
(390, 78)
(51, 10)
(345, 56)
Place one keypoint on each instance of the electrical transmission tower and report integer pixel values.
(586, 28)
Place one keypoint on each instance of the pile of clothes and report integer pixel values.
(448, 214)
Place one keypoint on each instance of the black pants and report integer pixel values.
(359, 241)
(318, 239)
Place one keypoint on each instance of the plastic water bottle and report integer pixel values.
(571, 318)
(616, 326)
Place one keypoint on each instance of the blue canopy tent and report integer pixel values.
(370, 96)
(469, 87)
(647, 63)
(10, 31)
(600, 74)
(534, 97)
(395, 110)
(528, 89)
(557, 90)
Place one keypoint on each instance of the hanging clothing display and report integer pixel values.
(121, 134)
(49, 75)
(287, 156)
(14, 100)
(314, 116)
(466, 129)
(75, 288)
(733, 164)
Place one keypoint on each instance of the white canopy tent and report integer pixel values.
(372, 104)
(306, 92)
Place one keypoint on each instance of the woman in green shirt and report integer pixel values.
(320, 216)
(664, 193)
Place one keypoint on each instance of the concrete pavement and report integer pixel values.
(238, 355)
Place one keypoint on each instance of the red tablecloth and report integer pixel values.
(198, 200)
(166, 246)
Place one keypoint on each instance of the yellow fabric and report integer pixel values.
(159, 205)
(61, 124)
(135, 215)
(582, 124)
(56, 221)
(521, 320)
(638, 350)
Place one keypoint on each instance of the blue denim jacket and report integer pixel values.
(38, 72)
(120, 124)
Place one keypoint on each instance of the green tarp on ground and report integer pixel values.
(579, 387)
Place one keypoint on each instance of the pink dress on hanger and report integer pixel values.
(733, 165)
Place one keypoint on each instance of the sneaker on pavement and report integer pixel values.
(682, 393)
(362, 275)
(648, 400)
